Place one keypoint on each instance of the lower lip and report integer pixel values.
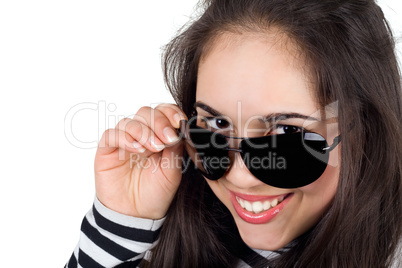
(262, 217)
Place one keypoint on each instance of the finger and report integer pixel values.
(172, 112)
(173, 171)
(113, 139)
(142, 136)
(160, 124)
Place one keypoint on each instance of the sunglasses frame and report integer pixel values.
(185, 133)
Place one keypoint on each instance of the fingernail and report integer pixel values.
(170, 135)
(158, 147)
(139, 147)
(177, 118)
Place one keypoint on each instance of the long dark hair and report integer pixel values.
(349, 50)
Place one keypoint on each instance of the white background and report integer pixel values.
(103, 56)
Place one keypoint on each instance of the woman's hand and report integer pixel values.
(138, 164)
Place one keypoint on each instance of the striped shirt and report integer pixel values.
(110, 239)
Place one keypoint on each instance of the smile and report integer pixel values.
(259, 206)
(258, 209)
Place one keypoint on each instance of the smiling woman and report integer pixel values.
(260, 72)
(290, 112)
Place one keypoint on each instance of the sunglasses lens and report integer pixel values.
(286, 161)
(208, 151)
(283, 161)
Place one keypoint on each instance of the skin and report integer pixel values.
(264, 76)
(131, 176)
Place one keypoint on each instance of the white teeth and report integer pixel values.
(240, 201)
(258, 206)
(266, 205)
(248, 206)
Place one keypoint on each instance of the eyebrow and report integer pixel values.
(273, 117)
(284, 116)
(207, 108)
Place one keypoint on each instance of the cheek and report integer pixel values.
(321, 192)
(313, 201)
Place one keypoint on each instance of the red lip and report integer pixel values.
(262, 217)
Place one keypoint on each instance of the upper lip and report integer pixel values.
(254, 198)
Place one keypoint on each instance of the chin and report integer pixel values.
(257, 238)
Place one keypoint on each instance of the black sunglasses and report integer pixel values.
(280, 160)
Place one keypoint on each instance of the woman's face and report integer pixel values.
(244, 79)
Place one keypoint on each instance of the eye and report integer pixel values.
(284, 129)
(217, 123)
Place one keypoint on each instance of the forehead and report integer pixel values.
(263, 73)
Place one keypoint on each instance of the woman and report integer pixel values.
(324, 72)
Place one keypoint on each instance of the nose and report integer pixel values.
(240, 176)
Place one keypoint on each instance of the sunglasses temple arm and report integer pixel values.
(336, 141)
(183, 129)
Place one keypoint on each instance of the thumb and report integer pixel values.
(171, 163)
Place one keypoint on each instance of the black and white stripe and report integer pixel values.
(109, 239)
